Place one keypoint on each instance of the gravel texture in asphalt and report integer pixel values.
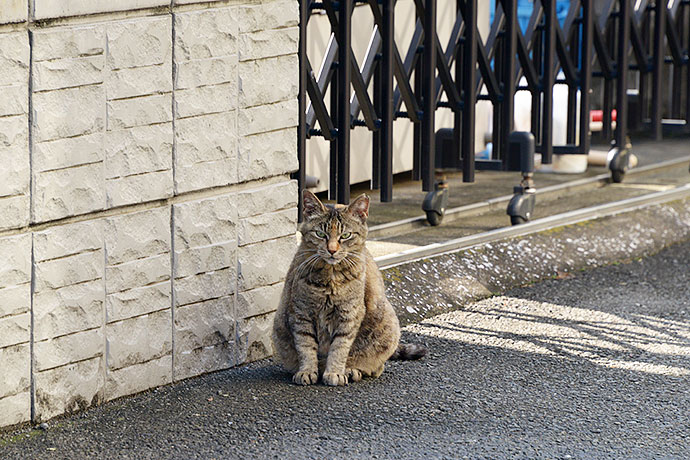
(590, 365)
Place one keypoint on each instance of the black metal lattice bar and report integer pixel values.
(428, 95)
(468, 87)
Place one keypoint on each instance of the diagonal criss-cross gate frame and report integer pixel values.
(432, 76)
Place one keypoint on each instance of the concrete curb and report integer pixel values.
(434, 285)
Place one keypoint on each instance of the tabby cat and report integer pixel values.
(334, 320)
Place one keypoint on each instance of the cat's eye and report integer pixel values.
(321, 234)
(346, 236)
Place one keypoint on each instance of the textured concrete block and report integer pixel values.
(267, 154)
(206, 138)
(67, 73)
(268, 43)
(16, 375)
(269, 117)
(15, 409)
(140, 111)
(139, 42)
(67, 349)
(264, 263)
(199, 176)
(269, 15)
(139, 81)
(139, 188)
(259, 301)
(15, 300)
(139, 377)
(138, 235)
(68, 239)
(69, 388)
(14, 211)
(204, 324)
(15, 329)
(205, 34)
(15, 260)
(14, 132)
(67, 310)
(267, 226)
(68, 192)
(57, 273)
(138, 150)
(257, 91)
(13, 11)
(205, 100)
(68, 112)
(205, 286)
(140, 272)
(14, 174)
(65, 153)
(255, 338)
(206, 151)
(68, 42)
(197, 260)
(203, 360)
(15, 99)
(140, 339)
(265, 199)
(138, 301)
(205, 222)
(14, 57)
(46, 9)
(203, 72)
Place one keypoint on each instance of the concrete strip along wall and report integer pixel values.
(147, 216)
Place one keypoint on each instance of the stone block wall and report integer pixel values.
(147, 216)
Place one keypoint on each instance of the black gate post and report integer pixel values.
(548, 81)
(469, 83)
(622, 81)
(508, 70)
(343, 150)
(386, 129)
(657, 75)
(586, 73)
(428, 96)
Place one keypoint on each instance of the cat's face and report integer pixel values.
(335, 234)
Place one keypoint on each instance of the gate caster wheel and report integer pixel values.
(521, 206)
(620, 161)
(517, 220)
(435, 203)
(617, 176)
(434, 218)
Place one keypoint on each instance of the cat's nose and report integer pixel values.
(332, 248)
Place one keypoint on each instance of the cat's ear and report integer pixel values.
(360, 207)
(311, 205)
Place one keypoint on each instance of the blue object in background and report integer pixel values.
(524, 11)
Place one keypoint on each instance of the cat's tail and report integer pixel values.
(409, 351)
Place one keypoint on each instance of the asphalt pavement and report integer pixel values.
(588, 365)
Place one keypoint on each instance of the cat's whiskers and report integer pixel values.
(311, 260)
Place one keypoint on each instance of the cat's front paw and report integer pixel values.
(305, 377)
(334, 379)
(353, 375)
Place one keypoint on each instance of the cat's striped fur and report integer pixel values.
(334, 320)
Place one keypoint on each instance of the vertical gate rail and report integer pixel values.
(643, 39)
